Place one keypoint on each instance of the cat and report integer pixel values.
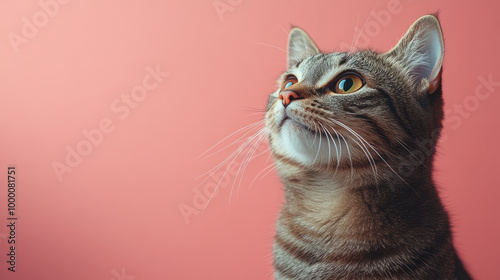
(341, 125)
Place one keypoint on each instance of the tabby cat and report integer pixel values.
(353, 136)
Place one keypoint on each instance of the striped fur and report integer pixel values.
(360, 199)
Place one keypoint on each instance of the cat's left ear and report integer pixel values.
(300, 46)
(421, 50)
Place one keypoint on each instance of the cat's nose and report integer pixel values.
(288, 96)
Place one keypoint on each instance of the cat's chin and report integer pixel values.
(307, 146)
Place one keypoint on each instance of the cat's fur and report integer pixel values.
(350, 211)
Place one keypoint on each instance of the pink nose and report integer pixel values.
(288, 96)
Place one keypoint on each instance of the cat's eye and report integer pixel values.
(347, 83)
(289, 81)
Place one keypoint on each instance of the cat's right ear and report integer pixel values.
(300, 46)
(421, 52)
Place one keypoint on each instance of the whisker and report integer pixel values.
(405, 146)
(266, 169)
(315, 135)
(349, 153)
(217, 167)
(328, 142)
(382, 158)
(271, 46)
(222, 177)
(263, 152)
(257, 114)
(339, 152)
(255, 143)
(340, 148)
(248, 127)
(234, 156)
(368, 156)
(360, 32)
(354, 36)
(246, 163)
(336, 150)
(251, 109)
(319, 146)
(284, 30)
(365, 149)
(269, 156)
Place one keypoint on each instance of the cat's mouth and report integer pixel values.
(307, 140)
(283, 121)
(296, 124)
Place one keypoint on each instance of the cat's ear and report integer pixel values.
(421, 50)
(300, 46)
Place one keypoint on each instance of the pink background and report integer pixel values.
(116, 215)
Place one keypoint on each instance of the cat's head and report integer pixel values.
(346, 109)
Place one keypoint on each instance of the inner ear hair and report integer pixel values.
(421, 51)
(300, 46)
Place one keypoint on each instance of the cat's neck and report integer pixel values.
(337, 203)
(351, 226)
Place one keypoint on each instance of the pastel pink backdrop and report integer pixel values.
(117, 215)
